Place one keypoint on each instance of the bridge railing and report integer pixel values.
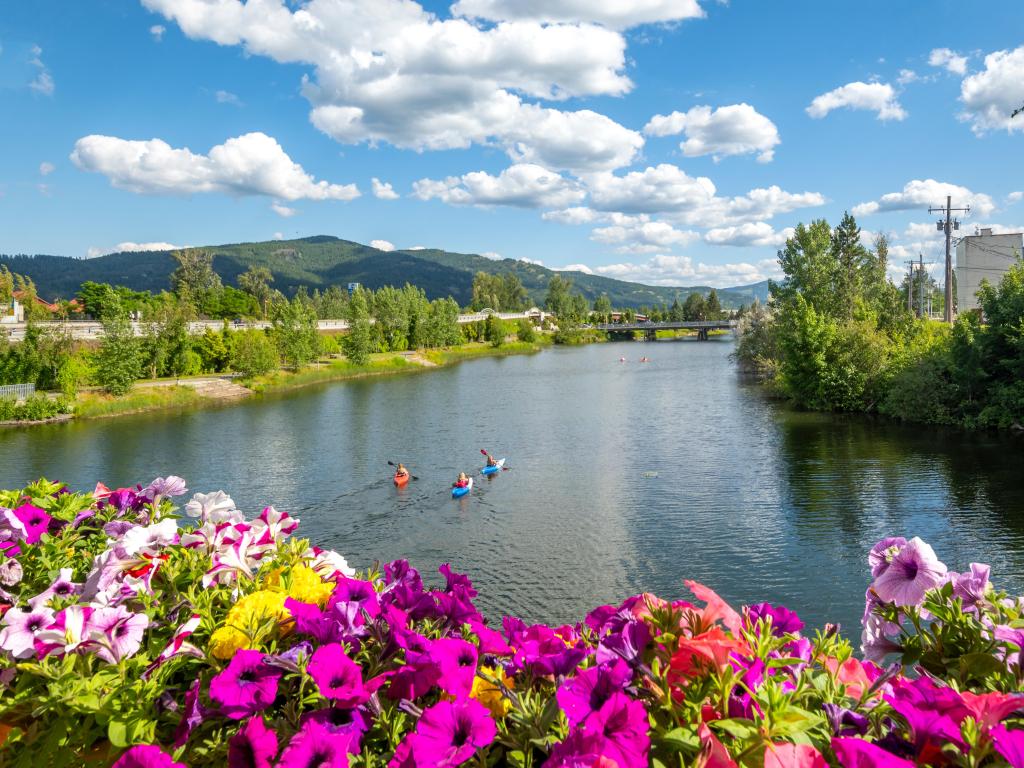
(709, 325)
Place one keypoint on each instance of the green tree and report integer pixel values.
(118, 359)
(695, 307)
(194, 280)
(213, 350)
(295, 333)
(494, 331)
(358, 341)
(713, 307)
(391, 311)
(603, 307)
(525, 331)
(166, 343)
(252, 353)
(256, 282)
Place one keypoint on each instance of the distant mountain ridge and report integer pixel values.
(323, 260)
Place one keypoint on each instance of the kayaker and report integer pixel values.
(462, 482)
(401, 471)
(491, 462)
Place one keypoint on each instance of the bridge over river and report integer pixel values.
(702, 327)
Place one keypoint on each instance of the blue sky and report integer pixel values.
(665, 141)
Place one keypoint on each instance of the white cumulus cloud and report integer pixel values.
(872, 97)
(639, 234)
(1015, 197)
(616, 14)
(737, 129)
(758, 233)
(948, 60)
(578, 214)
(523, 185)
(664, 187)
(251, 164)
(924, 193)
(45, 168)
(157, 31)
(682, 271)
(282, 210)
(382, 245)
(991, 95)
(130, 247)
(390, 71)
(383, 190)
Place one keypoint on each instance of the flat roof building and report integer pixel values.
(983, 256)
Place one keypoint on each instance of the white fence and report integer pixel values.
(90, 329)
(17, 391)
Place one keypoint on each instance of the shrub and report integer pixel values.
(526, 332)
(252, 353)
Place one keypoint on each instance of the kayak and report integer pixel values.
(496, 468)
(401, 480)
(457, 492)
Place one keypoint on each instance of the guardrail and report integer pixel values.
(18, 391)
(90, 329)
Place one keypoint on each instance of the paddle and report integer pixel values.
(392, 464)
(503, 469)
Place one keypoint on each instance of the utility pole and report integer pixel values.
(948, 224)
(923, 279)
(910, 287)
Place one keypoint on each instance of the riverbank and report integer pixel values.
(167, 394)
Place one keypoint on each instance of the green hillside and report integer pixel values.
(317, 262)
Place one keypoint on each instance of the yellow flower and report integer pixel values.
(254, 609)
(307, 587)
(244, 620)
(226, 641)
(489, 694)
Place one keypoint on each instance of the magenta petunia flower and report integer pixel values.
(246, 686)
(35, 521)
(882, 554)
(20, 629)
(62, 587)
(784, 621)
(116, 632)
(913, 571)
(857, 753)
(1009, 744)
(450, 732)
(932, 713)
(585, 693)
(579, 750)
(623, 723)
(970, 587)
(194, 713)
(352, 723)
(254, 746)
(146, 756)
(172, 485)
(315, 745)
(68, 633)
(337, 676)
(456, 661)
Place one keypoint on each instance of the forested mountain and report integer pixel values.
(317, 262)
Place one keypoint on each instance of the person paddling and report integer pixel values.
(491, 461)
(462, 482)
(401, 471)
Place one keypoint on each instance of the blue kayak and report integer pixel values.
(496, 468)
(457, 492)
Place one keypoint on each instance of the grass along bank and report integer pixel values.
(161, 394)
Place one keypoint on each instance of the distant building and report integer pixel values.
(983, 256)
(12, 312)
(352, 288)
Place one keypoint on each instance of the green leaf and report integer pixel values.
(117, 732)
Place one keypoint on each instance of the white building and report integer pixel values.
(983, 257)
(12, 313)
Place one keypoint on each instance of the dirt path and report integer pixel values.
(419, 359)
(214, 388)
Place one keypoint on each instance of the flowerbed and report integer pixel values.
(129, 640)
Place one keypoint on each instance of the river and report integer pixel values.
(622, 477)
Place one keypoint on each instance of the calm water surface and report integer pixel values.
(750, 498)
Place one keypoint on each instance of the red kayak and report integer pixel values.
(401, 480)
